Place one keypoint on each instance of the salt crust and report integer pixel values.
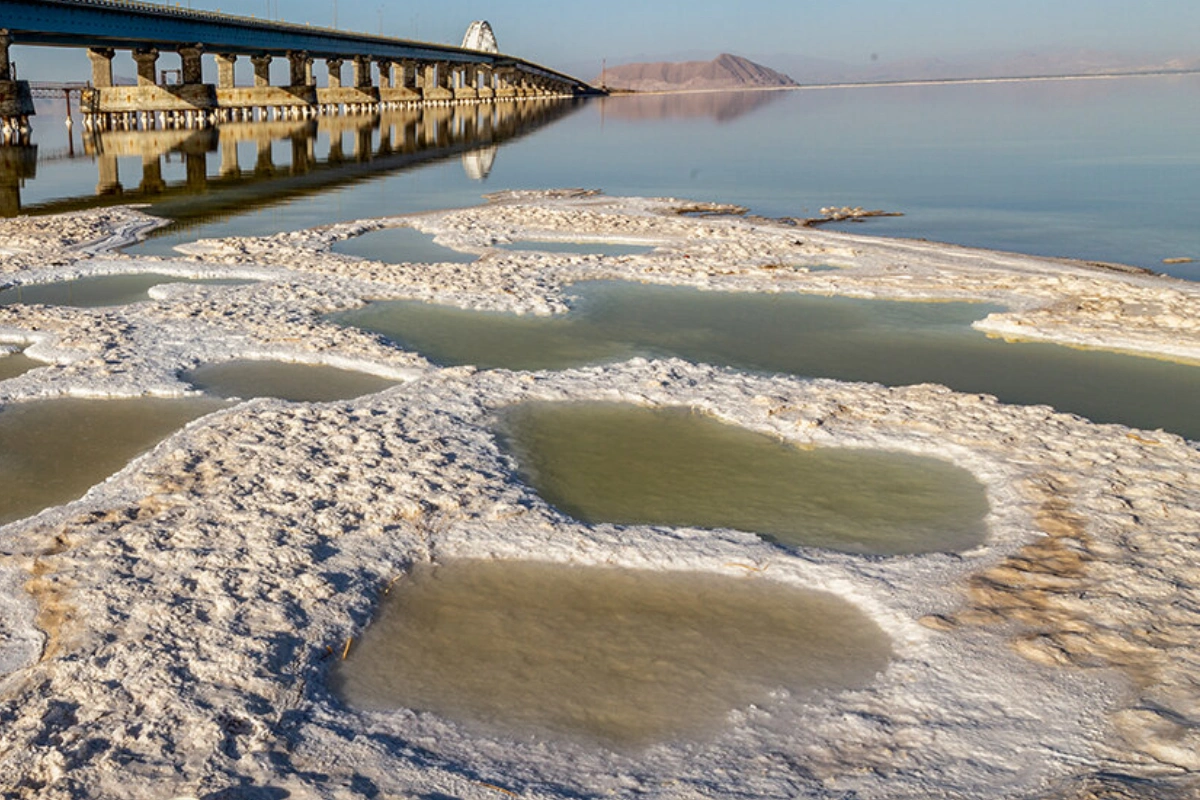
(169, 633)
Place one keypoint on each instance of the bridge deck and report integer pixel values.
(131, 25)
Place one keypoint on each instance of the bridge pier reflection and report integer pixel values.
(299, 156)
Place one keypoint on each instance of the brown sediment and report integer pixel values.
(1044, 589)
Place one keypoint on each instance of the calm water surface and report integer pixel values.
(602, 462)
(102, 290)
(301, 383)
(618, 657)
(1098, 169)
(52, 451)
(14, 364)
(578, 248)
(399, 246)
(863, 340)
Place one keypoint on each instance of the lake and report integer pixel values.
(1097, 169)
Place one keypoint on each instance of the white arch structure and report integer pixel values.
(480, 37)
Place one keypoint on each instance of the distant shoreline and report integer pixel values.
(921, 82)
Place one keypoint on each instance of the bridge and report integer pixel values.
(387, 73)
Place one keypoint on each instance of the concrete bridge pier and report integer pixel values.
(16, 100)
(402, 88)
(435, 82)
(487, 79)
(467, 82)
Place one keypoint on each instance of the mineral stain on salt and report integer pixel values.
(621, 463)
(616, 657)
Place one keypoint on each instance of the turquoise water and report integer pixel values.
(862, 340)
(1098, 169)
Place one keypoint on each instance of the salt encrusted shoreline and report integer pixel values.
(166, 635)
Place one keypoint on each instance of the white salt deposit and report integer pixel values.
(170, 633)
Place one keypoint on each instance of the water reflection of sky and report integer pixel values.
(1098, 169)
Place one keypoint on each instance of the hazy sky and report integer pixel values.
(575, 36)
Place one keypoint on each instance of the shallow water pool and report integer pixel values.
(400, 246)
(610, 249)
(893, 343)
(612, 462)
(102, 290)
(302, 383)
(52, 451)
(14, 364)
(618, 657)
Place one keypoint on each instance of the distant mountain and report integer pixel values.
(723, 72)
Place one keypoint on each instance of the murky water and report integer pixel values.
(611, 462)
(618, 657)
(612, 249)
(863, 340)
(52, 451)
(102, 290)
(302, 383)
(14, 364)
(400, 246)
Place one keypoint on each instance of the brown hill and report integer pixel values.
(723, 72)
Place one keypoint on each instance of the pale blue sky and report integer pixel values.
(576, 36)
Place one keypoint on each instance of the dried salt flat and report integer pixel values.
(191, 607)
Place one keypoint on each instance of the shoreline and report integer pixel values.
(916, 82)
(181, 609)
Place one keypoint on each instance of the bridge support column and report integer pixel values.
(5, 60)
(400, 86)
(147, 66)
(297, 69)
(487, 90)
(334, 65)
(16, 100)
(225, 64)
(362, 72)
(435, 88)
(504, 83)
(102, 73)
(467, 83)
(193, 74)
(262, 71)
